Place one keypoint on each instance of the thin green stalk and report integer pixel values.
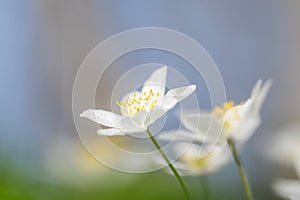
(205, 186)
(241, 170)
(169, 164)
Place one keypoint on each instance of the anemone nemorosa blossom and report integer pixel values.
(289, 188)
(231, 121)
(192, 163)
(196, 159)
(139, 109)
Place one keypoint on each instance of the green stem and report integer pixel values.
(205, 186)
(241, 170)
(169, 163)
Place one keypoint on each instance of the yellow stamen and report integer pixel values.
(229, 120)
(138, 102)
(228, 105)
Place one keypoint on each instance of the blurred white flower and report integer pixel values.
(284, 145)
(231, 121)
(289, 188)
(195, 159)
(67, 162)
(193, 163)
(139, 109)
(284, 150)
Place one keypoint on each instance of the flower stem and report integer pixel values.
(241, 170)
(205, 186)
(169, 163)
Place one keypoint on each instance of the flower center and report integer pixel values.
(197, 163)
(229, 114)
(220, 111)
(137, 102)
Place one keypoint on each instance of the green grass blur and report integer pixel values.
(18, 182)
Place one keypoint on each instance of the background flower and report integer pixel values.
(195, 159)
(238, 122)
(289, 188)
(284, 146)
(284, 152)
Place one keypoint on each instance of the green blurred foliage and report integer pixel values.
(20, 183)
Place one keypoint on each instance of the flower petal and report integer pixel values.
(140, 118)
(110, 132)
(181, 92)
(181, 135)
(287, 188)
(154, 114)
(246, 128)
(157, 82)
(263, 93)
(123, 124)
(297, 162)
(168, 102)
(256, 88)
(250, 112)
(144, 118)
(205, 125)
(129, 125)
(176, 95)
(102, 117)
(258, 95)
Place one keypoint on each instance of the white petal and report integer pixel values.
(286, 188)
(176, 95)
(126, 125)
(154, 114)
(204, 125)
(102, 117)
(242, 124)
(250, 112)
(140, 118)
(297, 162)
(144, 118)
(263, 92)
(259, 94)
(157, 82)
(181, 135)
(181, 92)
(246, 129)
(110, 132)
(168, 102)
(256, 88)
(129, 125)
(284, 149)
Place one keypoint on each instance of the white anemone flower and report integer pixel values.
(196, 159)
(284, 151)
(192, 162)
(231, 121)
(284, 145)
(139, 109)
(288, 188)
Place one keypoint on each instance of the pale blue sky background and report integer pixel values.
(44, 42)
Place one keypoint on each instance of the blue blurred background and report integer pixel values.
(43, 44)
